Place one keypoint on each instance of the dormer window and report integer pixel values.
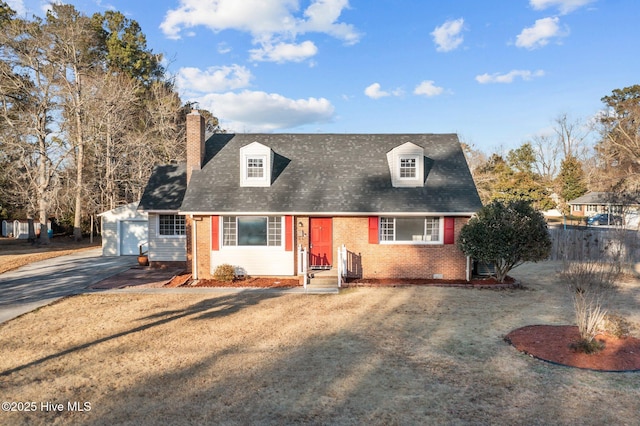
(255, 165)
(406, 165)
(255, 168)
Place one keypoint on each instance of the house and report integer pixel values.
(124, 230)
(264, 202)
(604, 202)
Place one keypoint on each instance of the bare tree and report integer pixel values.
(546, 152)
(27, 85)
(572, 135)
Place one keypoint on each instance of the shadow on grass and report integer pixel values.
(206, 309)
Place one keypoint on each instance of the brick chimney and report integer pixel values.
(195, 142)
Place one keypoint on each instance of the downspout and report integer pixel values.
(194, 251)
(468, 269)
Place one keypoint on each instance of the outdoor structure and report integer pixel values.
(373, 205)
(124, 230)
(605, 202)
(19, 228)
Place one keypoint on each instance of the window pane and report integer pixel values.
(255, 168)
(229, 231)
(432, 229)
(407, 167)
(166, 224)
(179, 225)
(409, 229)
(252, 231)
(275, 230)
(386, 229)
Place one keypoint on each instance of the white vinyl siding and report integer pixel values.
(165, 248)
(254, 245)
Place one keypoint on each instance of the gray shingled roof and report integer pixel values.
(602, 198)
(332, 173)
(165, 189)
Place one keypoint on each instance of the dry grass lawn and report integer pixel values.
(366, 356)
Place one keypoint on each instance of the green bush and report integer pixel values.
(225, 273)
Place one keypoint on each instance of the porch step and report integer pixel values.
(323, 281)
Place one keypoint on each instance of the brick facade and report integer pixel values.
(195, 142)
(399, 260)
(373, 260)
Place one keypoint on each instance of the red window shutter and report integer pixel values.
(373, 230)
(449, 230)
(215, 233)
(288, 233)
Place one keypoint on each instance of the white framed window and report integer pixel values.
(171, 225)
(408, 167)
(255, 168)
(412, 230)
(265, 231)
(592, 208)
(577, 208)
(255, 165)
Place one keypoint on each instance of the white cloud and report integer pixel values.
(223, 48)
(254, 111)
(448, 36)
(270, 22)
(18, 6)
(375, 92)
(283, 52)
(565, 6)
(539, 35)
(213, 79)
(509, 77)
(428, 89)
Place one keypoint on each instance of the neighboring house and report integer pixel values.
(124, 231)
(604, 202)
(397, 203)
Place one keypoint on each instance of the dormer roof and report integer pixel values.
(333, 173)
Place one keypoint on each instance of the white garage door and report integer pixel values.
(132, 234)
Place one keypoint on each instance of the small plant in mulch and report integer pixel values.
(616, 325)
(225, 273)
(587, 346)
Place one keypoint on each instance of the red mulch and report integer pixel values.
(252, 282)
(261, 282)
(552, 343)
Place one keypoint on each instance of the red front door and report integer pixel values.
(320, 240)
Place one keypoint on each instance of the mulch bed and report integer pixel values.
(261, 282)
(552, 343)
(250, 282)
(489, 282)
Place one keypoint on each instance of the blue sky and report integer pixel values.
(497, 72)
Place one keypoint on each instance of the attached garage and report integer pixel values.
(124, 230)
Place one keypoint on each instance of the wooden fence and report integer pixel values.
(595, 244)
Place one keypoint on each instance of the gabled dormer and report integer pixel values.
(406, 164)
(256, 162)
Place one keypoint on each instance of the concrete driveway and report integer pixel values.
(41, 283)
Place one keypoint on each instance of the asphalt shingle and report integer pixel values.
(328, 173)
